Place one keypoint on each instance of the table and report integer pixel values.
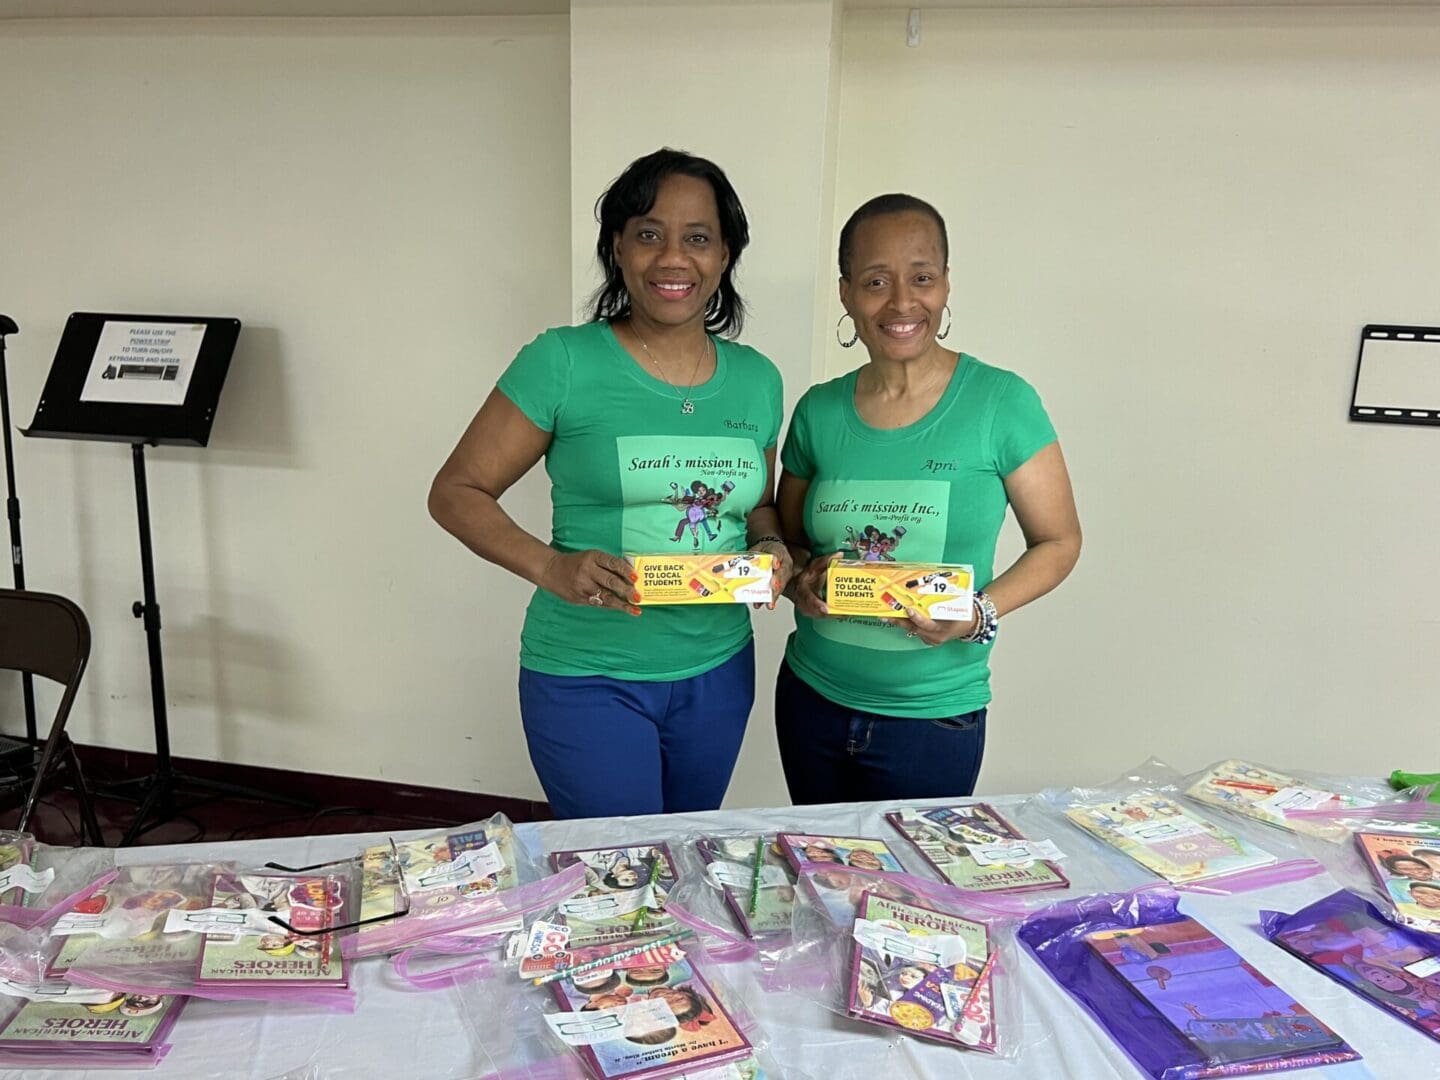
(400, 1032)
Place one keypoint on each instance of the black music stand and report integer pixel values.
(144, 380)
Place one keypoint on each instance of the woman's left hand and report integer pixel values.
(936, 633)
(784, 567)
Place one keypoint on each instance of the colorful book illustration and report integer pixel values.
(122, 925)
(1396, 969)
(1167, 839)
(730, 862)
(944, 837)
(686, 1030)
(624, 893)
(1265, 795)
(839, 892)
(1230, 1013)
(896, 979)
(135, 1024)
(1407, 869)
(307, 902)
(435, 872)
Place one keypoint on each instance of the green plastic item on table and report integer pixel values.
(1400, 780)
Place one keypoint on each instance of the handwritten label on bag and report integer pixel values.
(219, 921)
(73, 922)
(1295, 798)
(738, 875)
(644, 1017)
(466, 868)
(22, 877)
(1423, 969)
(1162, 829)
(608, 905)
(945, 950)
(55, 991)
(1015, 853)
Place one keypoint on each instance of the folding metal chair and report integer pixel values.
(48, 636)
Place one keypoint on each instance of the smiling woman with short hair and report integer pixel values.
(913, 457)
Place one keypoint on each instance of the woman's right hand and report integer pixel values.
(591, 577)
(809, 585)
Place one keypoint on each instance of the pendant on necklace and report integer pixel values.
(687, 406)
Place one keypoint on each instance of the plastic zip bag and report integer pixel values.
(921, 958)
(209, 930)
(1150, 977)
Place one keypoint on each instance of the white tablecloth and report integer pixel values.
(400, 1032)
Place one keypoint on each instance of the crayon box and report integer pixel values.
(741, 577)
(885, 589)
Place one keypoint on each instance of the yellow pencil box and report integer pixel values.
(940, 591)
(742, 577)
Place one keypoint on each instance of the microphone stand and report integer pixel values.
(12, 511)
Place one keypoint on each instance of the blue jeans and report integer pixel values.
(606, 747)
(834, 754)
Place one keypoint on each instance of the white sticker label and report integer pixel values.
(1423, 969)
(73, 922)
(219, 921)
(738, 875)
(644, 1017)
(945, 950)
(1295, 798)
(465, 868)
(55, 991)
(607, 906)
(23, 877)
(1015, 853)
(1163, 829)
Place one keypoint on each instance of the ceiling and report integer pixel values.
(68, 9)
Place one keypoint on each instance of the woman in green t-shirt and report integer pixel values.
(658, 432)
(914, 457)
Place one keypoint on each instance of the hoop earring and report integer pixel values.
(853, 337)
(948, 320)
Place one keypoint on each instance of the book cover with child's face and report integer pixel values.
(691, 1027)
(1408, 869)
(625, 892)
(1379, 961)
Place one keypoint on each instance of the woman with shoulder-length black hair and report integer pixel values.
(658, 431)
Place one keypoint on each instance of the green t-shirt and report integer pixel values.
(631, 474)
(929, 492)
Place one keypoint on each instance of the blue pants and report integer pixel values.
(607, 747)
(834, 754)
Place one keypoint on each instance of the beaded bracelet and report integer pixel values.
(768, 540)
(987, 621)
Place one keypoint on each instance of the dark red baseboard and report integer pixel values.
(384, 798)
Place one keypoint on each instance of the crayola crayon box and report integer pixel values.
(741, 577)
(885, 589)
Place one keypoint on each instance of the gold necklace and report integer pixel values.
(687, 407)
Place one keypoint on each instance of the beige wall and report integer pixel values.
(1175, 224)
(1172, 222)
(749, 85)
(383, 203)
